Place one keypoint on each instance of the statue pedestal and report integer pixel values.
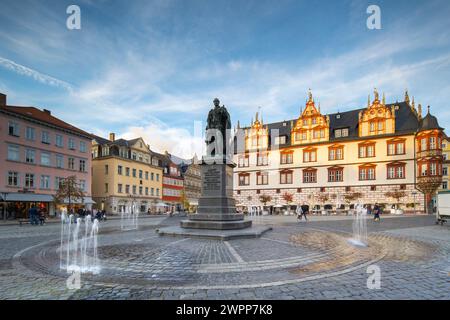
(216, 207)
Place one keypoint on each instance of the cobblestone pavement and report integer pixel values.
(297, 260)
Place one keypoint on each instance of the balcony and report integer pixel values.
(429, 153)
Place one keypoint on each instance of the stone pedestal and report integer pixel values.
(216, 206)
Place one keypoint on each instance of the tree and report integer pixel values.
(352, 196)
(69, 189)
(184, 200)
(322, 198)
(264, 198)
(288, 197)
(397, 195)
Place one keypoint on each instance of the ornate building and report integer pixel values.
(192, 183)
(325, 159)
(125, 172)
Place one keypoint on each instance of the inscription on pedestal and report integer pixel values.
(212, 180)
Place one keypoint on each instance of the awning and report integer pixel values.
(86, 200)
(27, 197)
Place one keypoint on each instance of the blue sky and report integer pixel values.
(152, 68)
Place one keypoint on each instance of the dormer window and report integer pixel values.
(280, 140)
(338, 133)
(338, 116)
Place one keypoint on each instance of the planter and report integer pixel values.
(399, 211)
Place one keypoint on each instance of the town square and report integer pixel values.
(179, 154)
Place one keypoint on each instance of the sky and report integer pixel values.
(152, 68)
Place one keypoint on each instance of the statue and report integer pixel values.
(218, 119)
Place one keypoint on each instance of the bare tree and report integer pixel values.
(69, 189)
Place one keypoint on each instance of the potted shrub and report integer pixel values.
(288, 197)
(264, 198)
(397, 195)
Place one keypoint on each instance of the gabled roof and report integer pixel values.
(43, 116)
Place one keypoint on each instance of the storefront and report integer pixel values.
(15, 205)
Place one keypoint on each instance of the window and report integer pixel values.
(444, 171)
(146, 175)
(13, 128)
(134, 189)
(280, 140)
(13, 153)
(30, 156)
(83, 185)
(45, 159)
(244, 179)
(423, 144)
(262, 159)
(58, 181)
(140, 174)
(59, 161)
(444, 185)
(82, 146)
(157, 192)
(71, 163)
(335, 174)
(30, 134)
(152, 176)
(262, 178)
(367, 173)
(286, 177)
(146, 191)
(106, 188)
(72, 144)
(157, 177)
(134, 173)
(106, 169)
(119, 188)
(29, 180)
(367, 150)
(45, 137)
(119, 170)
(376, 126)
(82, 165)
(13, 179)
(396, 171)
(127, 189)
(152, 191)
(59, 140)
(338, 133)
(140, 190)
(287, 157)
(319, 134)
(309, 155)
(45, 182)
(309, 176)
(244, 161)
(432, 168)
(127, 172)
(396, 147)
(336, 153)
(432, 143)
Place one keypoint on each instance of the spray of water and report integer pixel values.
(360, 227)
(129, 218)
(78, 251)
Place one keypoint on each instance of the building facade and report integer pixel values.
(125, 173)
(38, 151)
(173, 183)
(192, 183)
(337, 159)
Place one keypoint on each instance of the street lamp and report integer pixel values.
(414, 204)
(4, 195)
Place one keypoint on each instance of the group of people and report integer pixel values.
(37, 216)
(95, 213)
(303, 210)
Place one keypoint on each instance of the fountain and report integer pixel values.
(359, 227)
(78, 252)
(129, 218)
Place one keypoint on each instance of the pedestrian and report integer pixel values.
(376, 212)
(31, 214)
(304, 211)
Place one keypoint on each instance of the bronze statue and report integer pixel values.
(218, 119)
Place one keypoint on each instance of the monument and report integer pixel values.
(217, 216)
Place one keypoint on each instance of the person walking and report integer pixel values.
(304, 208)
(376, 212)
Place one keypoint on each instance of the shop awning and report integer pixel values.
(27, 197)
(86, 200)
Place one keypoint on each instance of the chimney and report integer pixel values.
(47, 111)
(2, 99)
(112, 136)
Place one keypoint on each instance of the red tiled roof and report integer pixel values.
(40, 115)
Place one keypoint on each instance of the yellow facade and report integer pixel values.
(446, 165)
(118, 181)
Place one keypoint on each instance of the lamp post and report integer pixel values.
(4, 195)
(414, 204)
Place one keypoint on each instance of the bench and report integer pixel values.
(21, 221)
